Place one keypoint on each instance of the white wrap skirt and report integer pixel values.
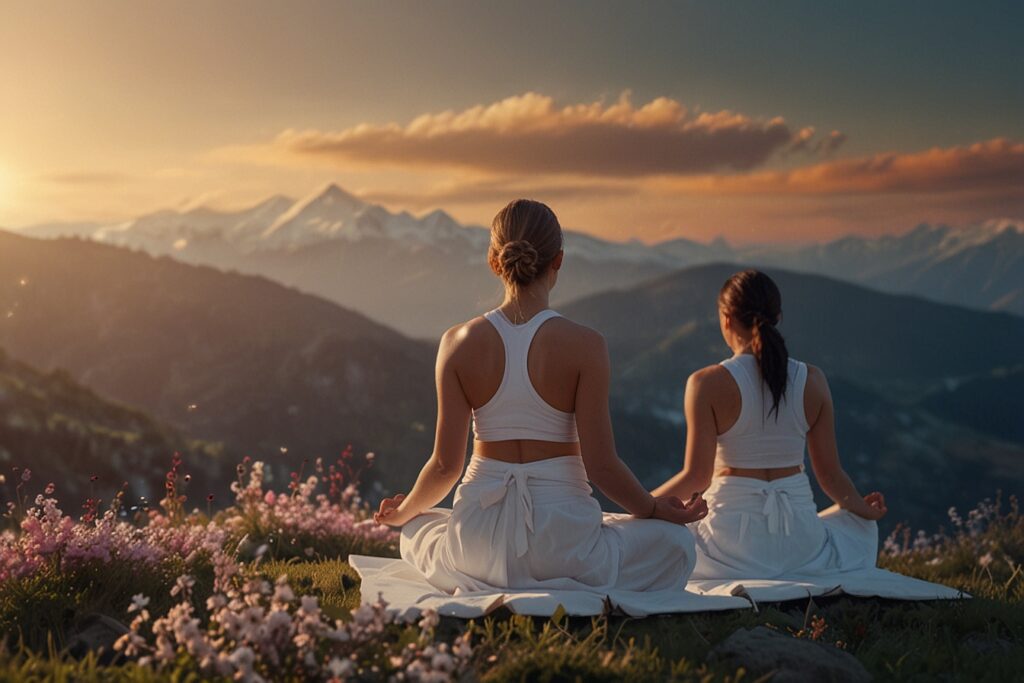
(537, 526)
(772, 529)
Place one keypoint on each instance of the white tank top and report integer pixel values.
(758, 439)
(517, 411)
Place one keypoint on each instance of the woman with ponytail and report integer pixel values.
(534, 385)
(748, 420)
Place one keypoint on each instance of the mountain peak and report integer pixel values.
(999, 226)
(438, 217)
(332, 193)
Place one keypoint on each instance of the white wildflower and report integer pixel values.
(340, 667)
(430, 620)
(443, 661)
(138, 602)
(183, 585)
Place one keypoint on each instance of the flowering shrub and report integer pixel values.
(264, 520)
(50, 537)
(301, 522)
(55, 567)
(988, 540)
(256, 631)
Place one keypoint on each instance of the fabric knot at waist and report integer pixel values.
(777, 510)
(518, 503)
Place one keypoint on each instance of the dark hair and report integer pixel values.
(525, 238)
(752, 298)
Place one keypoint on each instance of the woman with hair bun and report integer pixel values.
(748, 419)
(534, 385)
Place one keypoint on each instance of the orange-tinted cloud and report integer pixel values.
(992, 166)
(529, 134)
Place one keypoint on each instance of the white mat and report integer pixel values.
(863, 583)
(405, 590)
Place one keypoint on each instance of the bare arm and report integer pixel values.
(443, 469)
(701, 441)
(821, 444)
(597, 444)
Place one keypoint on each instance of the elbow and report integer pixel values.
(699, 479)
(831, 479)
(604, 482)
(445, 468)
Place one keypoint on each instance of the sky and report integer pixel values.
(758, 122)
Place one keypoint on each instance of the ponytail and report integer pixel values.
(772, 356)
(752, 298)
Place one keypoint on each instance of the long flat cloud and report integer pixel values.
(529, 134)
(995, 166)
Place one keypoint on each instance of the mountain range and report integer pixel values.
(266, 370)
(422, 274)
(85, 444)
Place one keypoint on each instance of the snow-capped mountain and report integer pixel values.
(334, 214)
(980, 266)
(327, 215)
(419, 274)
(423, 273)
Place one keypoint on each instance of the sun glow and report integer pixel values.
(6, 186)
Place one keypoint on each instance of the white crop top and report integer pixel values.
(517, 411)
(758, 439)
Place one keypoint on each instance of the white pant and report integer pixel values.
(535, 525)
(768, 529)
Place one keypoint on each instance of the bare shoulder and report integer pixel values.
(467, 337)
(713, 378)
(816, 380)
(576, 339)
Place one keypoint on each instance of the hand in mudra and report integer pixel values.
(387, 514)
(672, 509)
(876, 506)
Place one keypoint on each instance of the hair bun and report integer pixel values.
(519, 260)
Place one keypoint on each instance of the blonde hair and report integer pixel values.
(525, 238)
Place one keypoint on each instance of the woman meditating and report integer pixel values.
(748, 419)
(536, 388)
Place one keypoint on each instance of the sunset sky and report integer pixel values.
(755, 121)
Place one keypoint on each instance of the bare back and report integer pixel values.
(555, 363)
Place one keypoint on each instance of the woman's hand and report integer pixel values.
(876, 508)
(671, 509)
(388, 512)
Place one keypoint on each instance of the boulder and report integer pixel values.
(762, 651)
(96, 633)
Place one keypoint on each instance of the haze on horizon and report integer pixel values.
(756, 122)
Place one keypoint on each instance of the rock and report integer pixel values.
(985, 645)
(762, 650)
(96, 632)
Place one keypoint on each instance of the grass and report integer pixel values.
(979, 639)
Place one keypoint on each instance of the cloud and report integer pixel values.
(86, 178)
(993, 166)
(804, 141)
(529, 134)
(830, 143)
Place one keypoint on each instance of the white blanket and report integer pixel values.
(405, 590)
